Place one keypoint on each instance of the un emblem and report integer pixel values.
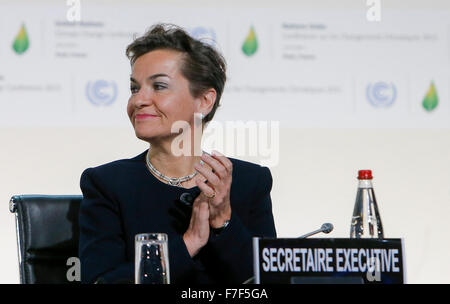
(101, 92)
(381, 94)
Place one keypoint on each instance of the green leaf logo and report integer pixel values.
(250, 45)
(431, 99)
(21, 43)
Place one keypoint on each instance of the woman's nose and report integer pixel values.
(144, 98)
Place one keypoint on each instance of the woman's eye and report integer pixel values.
(134, 90)
(159, 86)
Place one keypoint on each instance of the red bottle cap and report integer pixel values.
(365, 174)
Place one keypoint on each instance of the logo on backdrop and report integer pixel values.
(381, 94)
(207, 35)
(250, 45)
(21, 42)
(101, 92)
(431, 100)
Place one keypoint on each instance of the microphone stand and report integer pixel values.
(310, 233)
(326, 228)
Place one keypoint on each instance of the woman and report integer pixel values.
(174, 77)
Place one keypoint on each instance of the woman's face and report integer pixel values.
(160, 95)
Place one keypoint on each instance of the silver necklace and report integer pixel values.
(173, 181)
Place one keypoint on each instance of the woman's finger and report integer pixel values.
(193, 216)
(223, 160)
(204, 212)
(206, 190)
(217, 166)
(211, 177)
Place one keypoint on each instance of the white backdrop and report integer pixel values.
(314, 70)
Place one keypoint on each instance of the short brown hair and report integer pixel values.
(203, 66)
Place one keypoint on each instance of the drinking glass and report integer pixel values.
(151, 259)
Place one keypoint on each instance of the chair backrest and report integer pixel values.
(47, 236)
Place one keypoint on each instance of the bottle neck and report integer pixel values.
(365, 183)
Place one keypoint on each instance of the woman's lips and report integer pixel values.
(145, 116)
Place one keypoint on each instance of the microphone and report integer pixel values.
(325, 228)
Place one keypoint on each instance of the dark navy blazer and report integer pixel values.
(122, 199)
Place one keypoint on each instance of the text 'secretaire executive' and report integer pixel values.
(174, 78)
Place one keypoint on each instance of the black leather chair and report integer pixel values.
(47, 236)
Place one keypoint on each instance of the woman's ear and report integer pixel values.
(207, 100)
